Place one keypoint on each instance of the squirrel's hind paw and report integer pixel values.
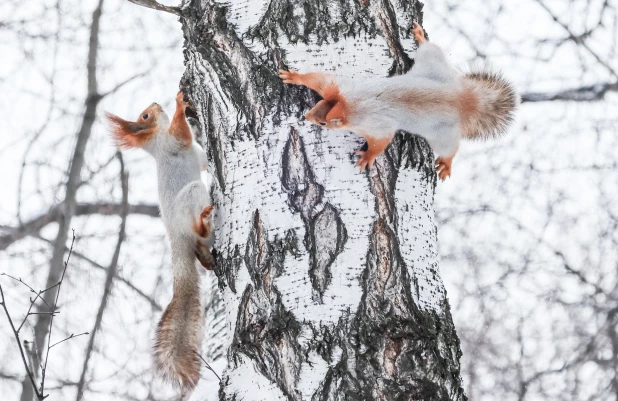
(204, 256)
(443, 167)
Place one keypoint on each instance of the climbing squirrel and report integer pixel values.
(185, 208)
(431, 100)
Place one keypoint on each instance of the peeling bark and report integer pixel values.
(329, 277)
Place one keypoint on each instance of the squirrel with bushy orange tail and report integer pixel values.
(431, 100)
(187, 216)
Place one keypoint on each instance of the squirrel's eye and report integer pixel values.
(145, 116)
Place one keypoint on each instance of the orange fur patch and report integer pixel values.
(318, 113)
(465, 103)
(468, 103)
(317, 81)
(340, 107)
(180, 127)
(129, 134)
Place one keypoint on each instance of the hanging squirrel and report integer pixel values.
(187, 216)
(431, 100)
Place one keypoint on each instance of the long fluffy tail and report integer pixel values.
(179, 332)
(495, 106)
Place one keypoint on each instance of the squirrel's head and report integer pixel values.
(328, 114)
(129, 134)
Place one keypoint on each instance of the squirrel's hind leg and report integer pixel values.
(443, 166)
(203, 228)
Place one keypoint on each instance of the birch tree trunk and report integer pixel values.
(329, 276)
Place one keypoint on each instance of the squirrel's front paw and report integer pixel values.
(180, 100)
(419, 34)
(366, 159)
(290, 77)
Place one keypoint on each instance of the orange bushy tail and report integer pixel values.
(497, 101)
(176, 350)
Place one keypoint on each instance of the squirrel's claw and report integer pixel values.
(289, 77)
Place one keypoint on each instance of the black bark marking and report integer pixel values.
(325, 233)
(328, 21)
(298, 179)
(406, 353)
(390, 29)
(256, 253)
(265, 331)
(328, 236)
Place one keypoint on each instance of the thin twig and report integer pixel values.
(51, 320)
(109, 279)
(69, 337)
(157, 6)
(123, 83)
(578, 39)
(21, 350)
(31, 289)
(208, 366)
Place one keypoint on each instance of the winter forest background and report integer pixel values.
(527, 225)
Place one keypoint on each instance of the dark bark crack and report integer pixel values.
(265, 331)
(328, 236)
(325, 233)
(328, 21)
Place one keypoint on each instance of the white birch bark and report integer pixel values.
(329, 276)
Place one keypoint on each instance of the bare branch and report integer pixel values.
(157, 6)
(209, 367)
(129, 284)
(109, 280)
(51, 319)
(123, 83)
(33, 226)
(578, 39)
(581, 94)
(69, 337)
(21, 349)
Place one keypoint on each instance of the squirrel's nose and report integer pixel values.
(322, 123)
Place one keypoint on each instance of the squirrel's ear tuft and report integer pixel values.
(317, 114)
(337, 115)
(128, 134)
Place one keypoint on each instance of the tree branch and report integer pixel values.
(157, 6)
(21, 349)
(36, 224)
(109, 280)
(582, 94)
(578, 39)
